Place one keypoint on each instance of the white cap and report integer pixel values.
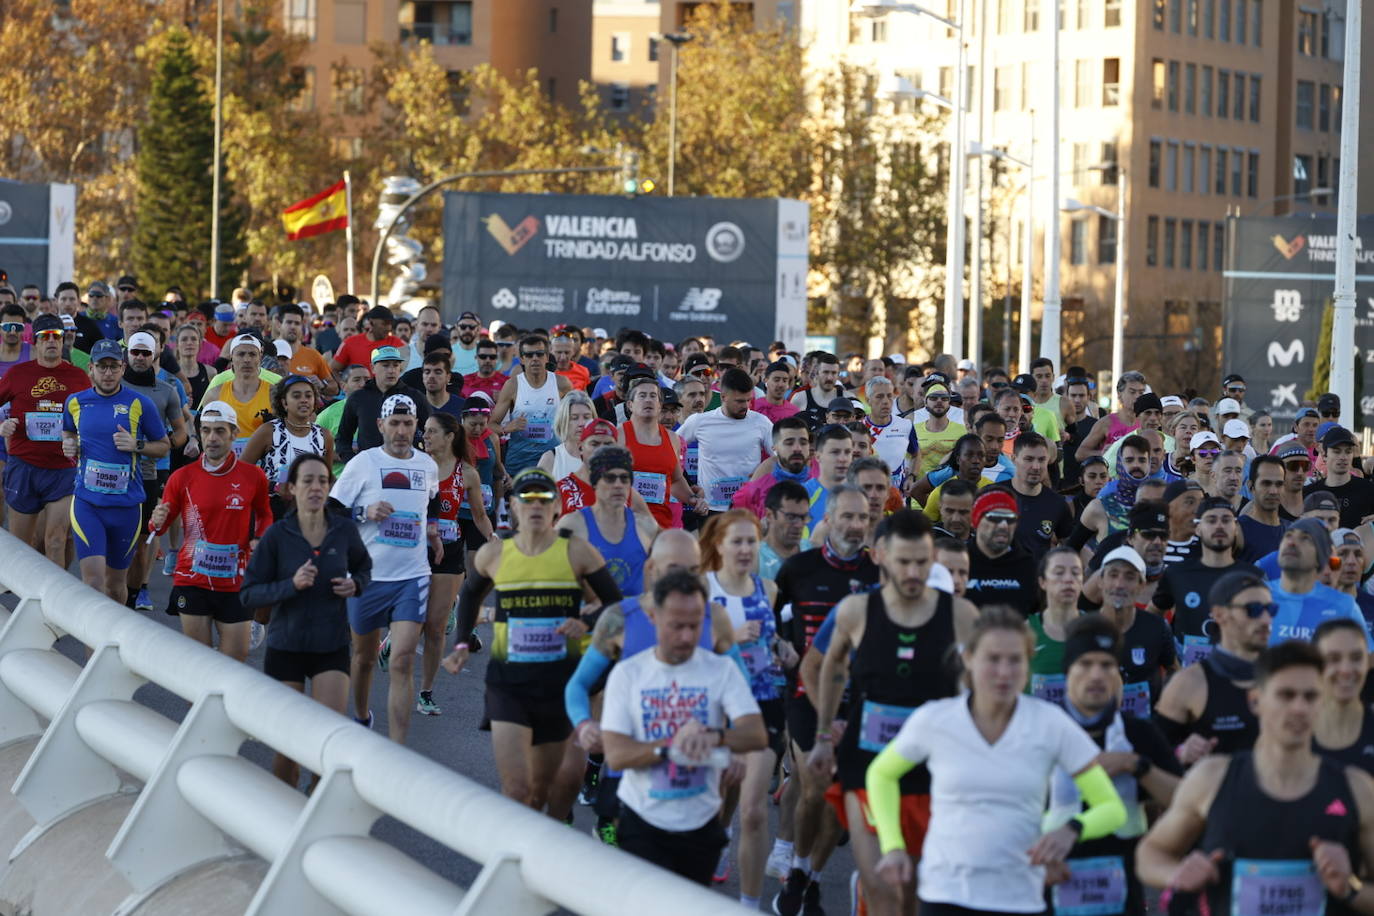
(967, 364)
(1236, 429)
(219, 412)
(244, 340)
(1125, 554)
(143, 341)
(68, 322)
(1225, 406)
(1172, 400)
(398, 403)
(940, 578)
(600, 333)
(283, 349)
(1201, 438)
(897, 358)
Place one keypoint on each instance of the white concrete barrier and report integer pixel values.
(172, 805)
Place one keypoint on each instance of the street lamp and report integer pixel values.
(675, 42)
(219, 121)
(1024, 337)
(1315, 192)
(1119, 305)
(1049, 321)
(954, 251)
(1343, 306)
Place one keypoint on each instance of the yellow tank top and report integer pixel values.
(249, 413)
(534, 595)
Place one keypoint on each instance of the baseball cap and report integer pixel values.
(98, 288)
(143, 341)
(1337, 435)
(219, 412)
(379, 313)
(1201, 438)
(1225, 406)
(1232, 584)
(600, 333)
(128, 280)
(282, 348)
(1236, 429)
(1125, 554)
(476, 405)
(384, 354)
(534, 479)
(1293, 449)
(967, 365)
(1176, 489)
(670, 398)
(1328, 402)
(1023, 383)
(49, 323)
(68, 323)
(1305, 413)
(621, 362)
(243, 340)
(107, 349)
(840, 404)
(224, 312)
(470, 314)
(1171, 400)
(398, 404)
(695, 361)
(1147, 402)
(1346, 537)
(1320, 501)
(1232, 379)
(1148, 517)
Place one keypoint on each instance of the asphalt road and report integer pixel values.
(454, 740)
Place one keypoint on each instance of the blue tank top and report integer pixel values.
(624, 559)
(639, 631)
(764, 674)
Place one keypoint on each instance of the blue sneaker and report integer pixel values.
(143, 602)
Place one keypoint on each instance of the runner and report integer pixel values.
(1354, 495)
(898, 637)
(247, 392)
(360, 426)
(791, 461)
(391, 491)
(1119, 424)
(834, 455)
(39, 478)
(991, 754)
(1260, 523)
(292, 432)
(732, 438)
(527, 404)
(574, 412)
(109, 427)
(998, 568)
(1147, 644)
(303, 569)
(223, 504)
(619, 533)
(775, 403)
(485, 448)
(894, 438)
(1044, 516)
(1303, 601)
(824, 387)
(1344, 727)
(1218, 838)
(785, 515)
(1061, 582)
(539, 574)
(658, 476)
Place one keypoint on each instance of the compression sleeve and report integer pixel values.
(1174, 732)
(1105, 813)
(602, 584)
(470, 603)
(577, 696)
(1080, 536)
(885, 796)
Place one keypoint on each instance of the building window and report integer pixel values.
(620, 47)
(1084, 14)
(1192, 17)
(1025, 85)
(1158, 17)
(1083, 83)
(1336, 111)
(1307, 33)
(1106, 240)
(1189, 160)
(1110, 175)
(1256, 20)
(1237, 168)
(1190, 89)
(653, 49)
(1111, 13)
(1157, 83)
(1171, 166)
(1218, 245)
(1205, 93)
(1002, 18)
(1306, 97)
(346, 148)
(439, 24)
(1030, 20)
(1078, 242)
(1001, 88)
(1238, 93)
(551, 86)
(1254, 98)
(878, 31)
(1203, 244)
(1240, 21)
(348, 90)
(1223, 93)
(1176, 16)
(1111, 82)
(1155, 153)
(1325, 43)
(1224, 30)
(1170, 239)
(1252, 174)
(1204, 169)
(620, 96)
(1323, 171)
(1324, 108)
(300, 18)
(553, 24)
(1173, 85)
(1185, 244)
(304, 100)
(1221, 172)
(1302, 171)
(1209, 18)
(1152, 241)
(947, 82)
(1079, 164)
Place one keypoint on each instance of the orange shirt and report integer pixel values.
(307, 361)
(578, 375)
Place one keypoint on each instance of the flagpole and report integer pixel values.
(348, 229)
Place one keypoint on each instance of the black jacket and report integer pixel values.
(314, 620)
(361, 412)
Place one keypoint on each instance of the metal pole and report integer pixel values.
(1343, 317)
(348, 228)
(954, 254)
(672, 119)
(1023, 349)
(975, 305)
(219, 118)
(1119, 307)
(1049, 320)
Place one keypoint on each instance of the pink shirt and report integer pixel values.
(775, 412)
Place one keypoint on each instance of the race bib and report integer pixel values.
(1048, 687)
(668, 780)
(724, 490)
(689, 461)
(239, 443)
(399, 529)
(1276, 888)
(1195, 649)
(535, 640)
(486, 495)
(41, 426)
(880, 724)
(538, 428)
(100, 477)
(1135, 699)
(448, 530)
(653, 488)
(1096, 887)
(757, 657)
(218, 561)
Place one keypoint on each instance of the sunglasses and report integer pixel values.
(140, 352)
(1240, 390)
(1297, 465)
(505, 343)
(533, 354)
(536, 496)
(999, 518)
(1027, 408)
(997, 386)
(1331, 414)
(467, 327)
(128, 289)
(486, 356)
(12, 326)
(1154, 535)
(702, 372)
(96, 295)
(1208, 452)
(1253, 609)
(30, 298)
(47, 335)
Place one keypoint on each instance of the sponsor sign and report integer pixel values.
(37, 233)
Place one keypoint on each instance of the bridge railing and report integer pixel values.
(201, 802)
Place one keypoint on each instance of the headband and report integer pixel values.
(1080, 644)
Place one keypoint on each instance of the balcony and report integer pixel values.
(435, 33)
(439, 22)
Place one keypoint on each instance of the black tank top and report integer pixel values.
(1360, 754)
(1242, 823)
(894, 669)
(1227, 716)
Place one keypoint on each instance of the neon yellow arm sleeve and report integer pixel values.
(1106, 812)
(885, 796)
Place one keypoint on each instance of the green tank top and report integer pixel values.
(1047, 663)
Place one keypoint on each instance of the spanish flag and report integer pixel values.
(327, 211)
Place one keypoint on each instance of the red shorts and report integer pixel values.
(915, 816)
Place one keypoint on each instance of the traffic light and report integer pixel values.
(630, 182)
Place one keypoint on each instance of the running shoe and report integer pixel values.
(426, 706)
(256, 634)
(856, 898)
(605, 831)
(811, 900)
(474, 643)
(452, 620)
(365, 723)
(788, 900)
(722, 873)
(590, 780)
(779, 863)
(384, 656)
(143, 602)
(169, 564)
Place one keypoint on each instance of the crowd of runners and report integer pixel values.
(1023, 645)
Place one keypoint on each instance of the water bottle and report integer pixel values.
(718, 759)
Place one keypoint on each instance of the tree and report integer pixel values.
(1321, 366)
(175, 190)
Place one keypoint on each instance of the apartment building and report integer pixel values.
(625, 54)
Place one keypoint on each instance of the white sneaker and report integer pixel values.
(256, 634)
(779, 863)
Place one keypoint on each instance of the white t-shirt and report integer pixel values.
(729, 451)
(893, 443)
(986, 802)
(397, 544)
(648, 700)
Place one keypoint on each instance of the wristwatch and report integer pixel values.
(1142, 766)
(139, 443)
(661, 752)
(360, 513)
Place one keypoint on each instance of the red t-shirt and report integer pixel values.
(235, 510)
(218, 339)
(36, 396)
(490, 385)
(578, 375)
(358, 349)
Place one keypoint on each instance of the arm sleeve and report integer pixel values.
(470, 602)
(602, 584)
(885, 796)
(1149, 742)
(1080, 536)
(1105, 812)
(577, 695)
(1173, 731)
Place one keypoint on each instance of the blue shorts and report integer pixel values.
(106, 531)
(383, 602)
(29, 488)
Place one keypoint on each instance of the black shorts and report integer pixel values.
(152, 493)
(693, 854)
(299, 667)
(225, 607)
(775, 720)
(472, 538)
(454, 562)
(801, 722)
(546, 718)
